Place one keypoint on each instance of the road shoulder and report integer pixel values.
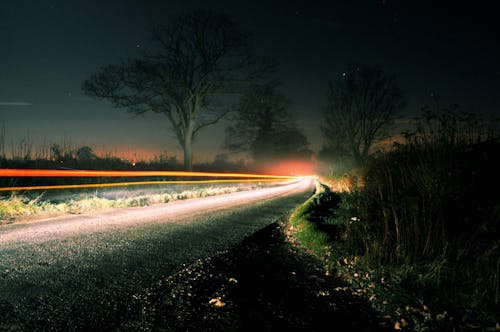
(263, 283)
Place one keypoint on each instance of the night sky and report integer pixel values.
(50, 47)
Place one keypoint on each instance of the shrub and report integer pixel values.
(432, 207)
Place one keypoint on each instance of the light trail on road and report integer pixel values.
(55, 173)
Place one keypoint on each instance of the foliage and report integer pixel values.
(17, 206)
(264, 128)
(361, 105)
(85, 154)
(435, 195)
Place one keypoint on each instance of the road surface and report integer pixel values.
(81, 272)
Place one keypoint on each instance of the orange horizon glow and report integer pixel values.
(6, 172)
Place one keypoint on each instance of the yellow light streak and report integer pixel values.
(124, 184)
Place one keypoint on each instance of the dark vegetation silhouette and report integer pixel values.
(202, 61)
(65, 156)
(264, 128)
(362, 103)
(428, 212)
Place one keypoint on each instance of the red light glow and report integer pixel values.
(292, 168)
(204, 177)
(98, 173)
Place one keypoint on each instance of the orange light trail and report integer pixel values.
(236, 177)
(95, 173)
(125, 184)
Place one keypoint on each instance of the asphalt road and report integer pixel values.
(82, 272)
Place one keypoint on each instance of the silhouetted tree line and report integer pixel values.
(202, 58)
(84, 158)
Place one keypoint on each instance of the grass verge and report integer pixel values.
(23, 207)
(315, 226)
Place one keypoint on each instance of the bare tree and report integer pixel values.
(264, 128)
(361, 106)
(201, 58)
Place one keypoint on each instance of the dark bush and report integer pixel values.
(434, 202)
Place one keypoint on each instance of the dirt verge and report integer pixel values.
(263, 284)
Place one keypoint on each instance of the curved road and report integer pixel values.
(82, 272)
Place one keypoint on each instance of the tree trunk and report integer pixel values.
(188, 157)
(188, 151)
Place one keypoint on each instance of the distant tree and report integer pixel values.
(264, 128)
(201, 57)
(61, 154)
(362, 104)
(85, 153)
(55, 152)
(221, 161)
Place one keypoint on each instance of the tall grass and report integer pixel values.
(20, 207)
(432, 206)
